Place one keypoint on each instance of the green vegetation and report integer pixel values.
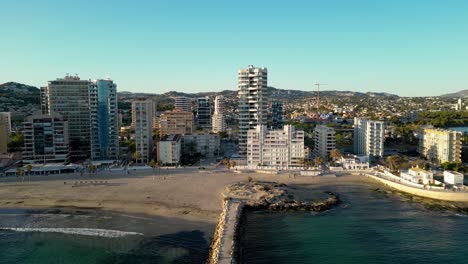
(16, 142)
(453, 166)
(443, 118)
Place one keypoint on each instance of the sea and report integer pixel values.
(368, 227)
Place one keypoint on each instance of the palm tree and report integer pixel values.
(153, 165)
(29, 169)
(335, 154)
(394, 162)
(318, 160)
(136, 156)
(20, 172)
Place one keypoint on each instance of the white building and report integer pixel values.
(453, 178)
(5, 130)
(182, 103)
(206, 144)
(418, 176)
(369, 137)
(169, 149)
(325, 141)
(46, 139)
(142, 112)
(440, 145)
(253, 102)
(218, 119)
(282, 148)
(353, 162)
(104, 120)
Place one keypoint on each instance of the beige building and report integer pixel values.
(142, 114)
(282, 148)
(5, 130)
(440, 145)
(46, 139)
(218, 119)
(369, 137)
(325, 141)
(169, 149)
(206, 144)
(175, 122)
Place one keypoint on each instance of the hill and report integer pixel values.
(19, 99)
(463, 93)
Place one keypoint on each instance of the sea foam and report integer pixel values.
(75, 231)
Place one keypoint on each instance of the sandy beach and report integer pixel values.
(188, 193)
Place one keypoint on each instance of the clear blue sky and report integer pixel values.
(408, 47)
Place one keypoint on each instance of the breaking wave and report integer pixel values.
(76, 231)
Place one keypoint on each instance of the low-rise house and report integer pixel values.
(418, 176)
(453, 178)
(353, 162)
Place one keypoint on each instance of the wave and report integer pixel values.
(76, 231)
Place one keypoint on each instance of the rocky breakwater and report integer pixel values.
(256, 196)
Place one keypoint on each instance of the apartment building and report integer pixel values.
(206, 144)
(170, 149)
(46, 139)
(183, 103)
(325, 141)
(104, 120)
(5, 130)
(440, 145)
(218, 119)
(281, 148)
(142, 112)
(369, 137)
(175, 122)
(253, 102)
(276, 115)
(204, 112)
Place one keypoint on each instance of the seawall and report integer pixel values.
(438, 195)
(223, 246)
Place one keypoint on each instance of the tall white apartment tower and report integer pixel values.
(182, 103)
(104, 120)
(253, 102)
(218, 120)
(142, 111)
(368, 137)
(325, 141)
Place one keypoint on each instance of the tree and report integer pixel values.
(318, 160)
(394, 162)
(19, 173)
(153, 165)
(29, 169)
(335, 154)
(16, 142)
(136, 156)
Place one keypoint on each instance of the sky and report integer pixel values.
(410, 48)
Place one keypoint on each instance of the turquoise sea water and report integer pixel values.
(369, 228)
(159, 240)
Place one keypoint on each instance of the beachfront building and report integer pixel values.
(208, 145)
(253, 102)
(69, 97)
(182, 103)
(5, 130)
(46, 139)
(453, 178)
(104, 120)
(281, 148)
(276, 115)
(440, 145)
(204, 112)
(154, 122)
(142, 112)
(169, 149)
(218, 121)
(175, 122)
(325, 141)
(418, 176)
(353, 162)
(368, 137)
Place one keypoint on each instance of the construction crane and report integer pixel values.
(318, 96)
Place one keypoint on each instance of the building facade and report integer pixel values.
(46, 139)
(282, 148)
(182, 103)
(253, 102)
(369, 137)
(170, 149)
(325, 141)
(440, 145)
(69, 97)
(276, 115)
(218, 121)
(104, 120)
(204, 112)
(175, 122)
(142, 112)
(5, 130)
(206, 144)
